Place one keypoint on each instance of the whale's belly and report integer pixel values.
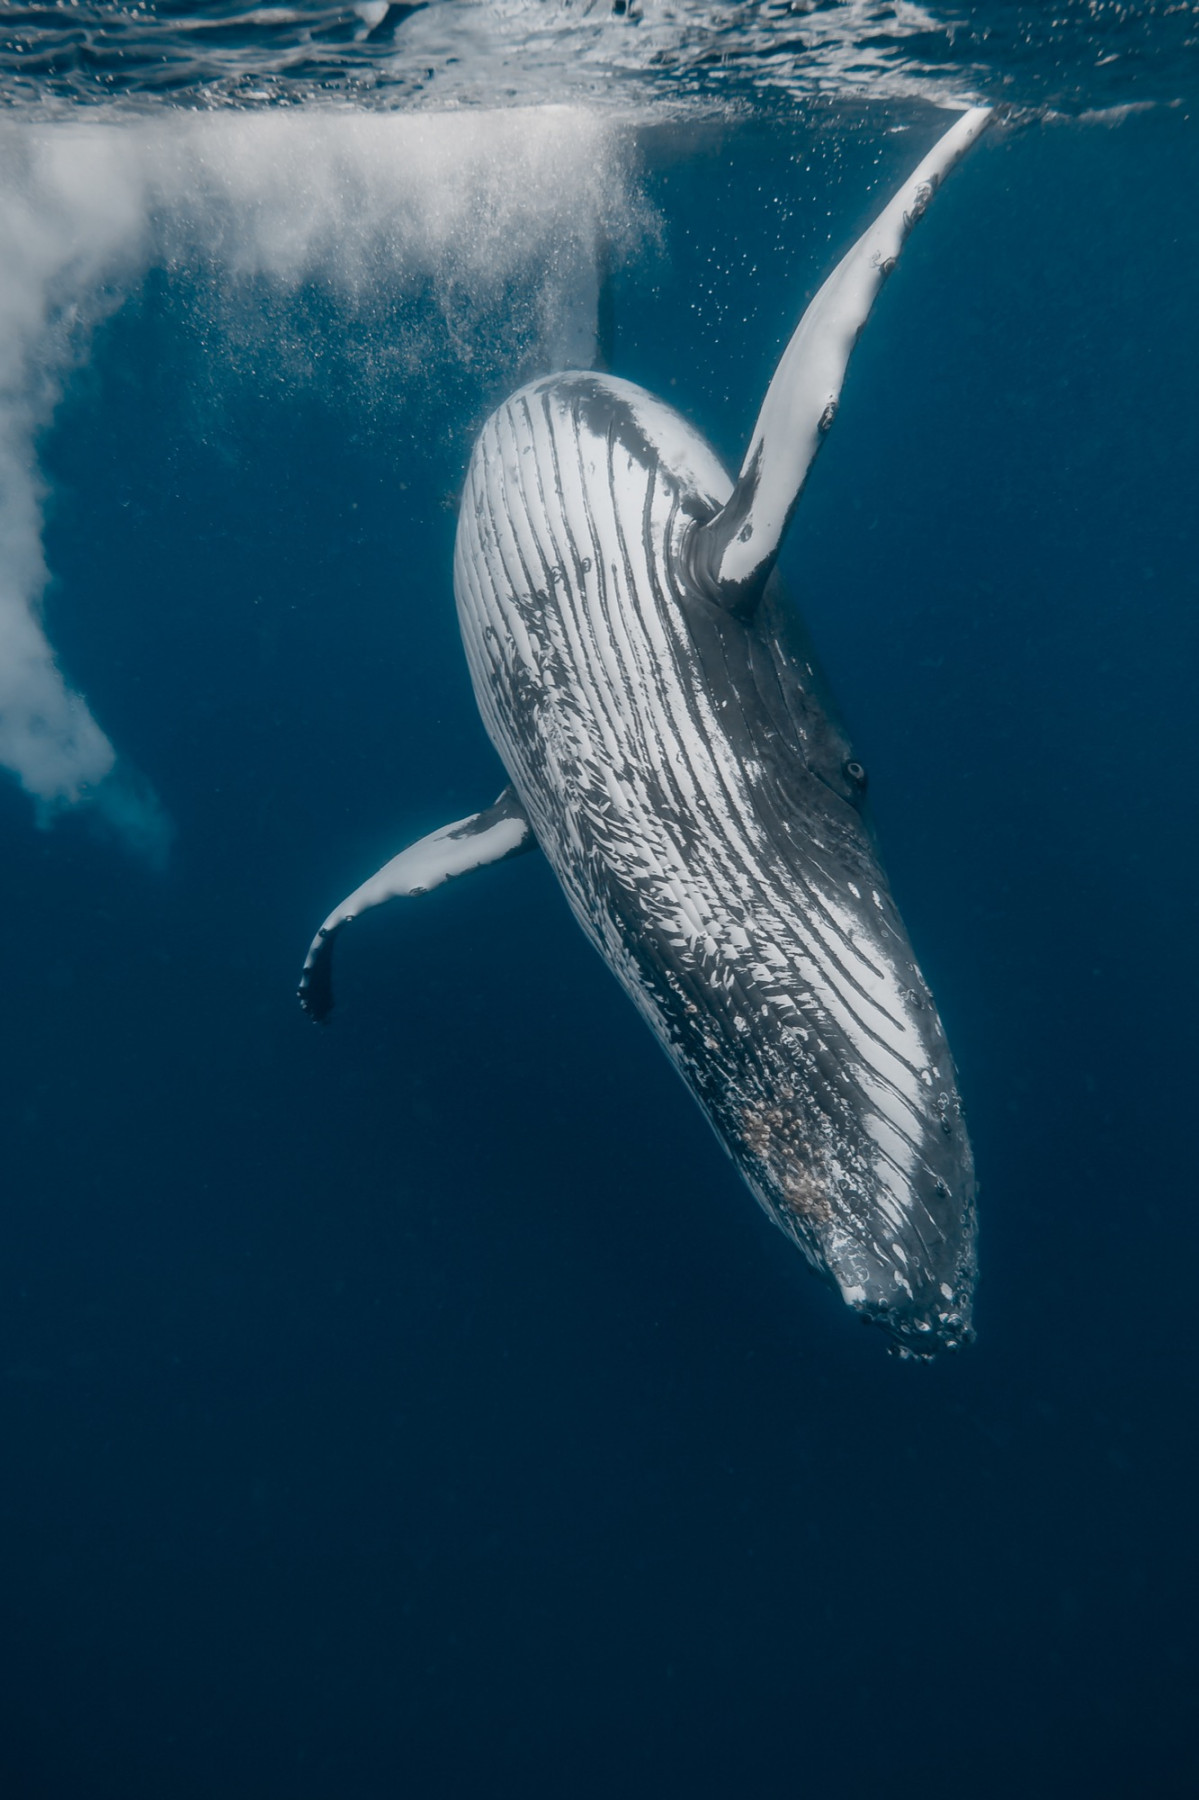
(691, 796)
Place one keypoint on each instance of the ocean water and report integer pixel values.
(421, 1406)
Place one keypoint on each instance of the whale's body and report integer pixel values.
(670, 751)
(701, 811)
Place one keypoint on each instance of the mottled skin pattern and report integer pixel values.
(703, 813)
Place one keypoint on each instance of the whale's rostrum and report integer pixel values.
(670, 750)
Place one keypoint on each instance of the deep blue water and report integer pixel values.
(421, 1406)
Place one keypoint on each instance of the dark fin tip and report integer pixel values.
(315, 992)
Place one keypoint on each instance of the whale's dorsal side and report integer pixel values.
(499, 832)
(734, 553)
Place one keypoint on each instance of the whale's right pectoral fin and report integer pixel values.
(486, 837)
(735, 551)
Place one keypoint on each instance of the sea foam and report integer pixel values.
(469, 201)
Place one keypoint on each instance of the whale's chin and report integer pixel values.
(921, 1332)
(918, 1340)
(923, 1316)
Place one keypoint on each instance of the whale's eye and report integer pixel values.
(856, 773)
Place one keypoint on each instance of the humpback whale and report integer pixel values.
(670, 750)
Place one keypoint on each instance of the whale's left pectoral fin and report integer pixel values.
(486, 837)
(734, 553)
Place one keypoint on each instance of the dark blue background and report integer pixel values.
(421, 1406)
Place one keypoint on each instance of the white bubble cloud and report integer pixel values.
(465, 202)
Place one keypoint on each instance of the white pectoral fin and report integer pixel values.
(736, 550)
(486, 837)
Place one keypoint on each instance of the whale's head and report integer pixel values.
(843, 1112)
(834, 1085)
